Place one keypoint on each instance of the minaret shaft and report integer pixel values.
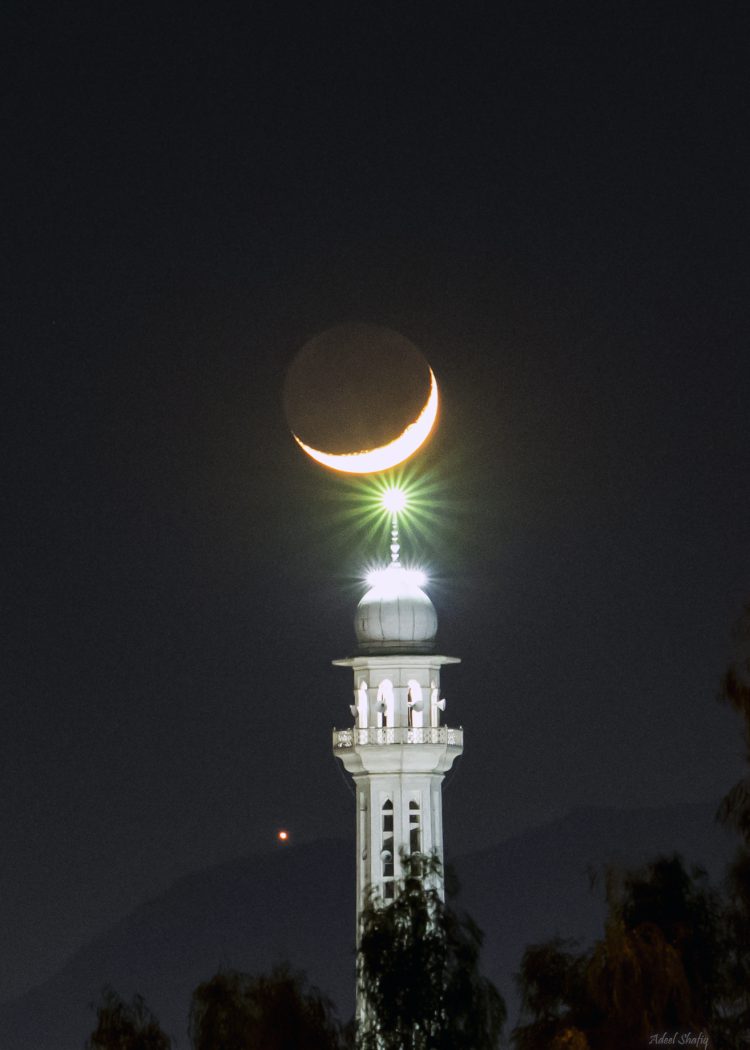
(397, 813)
(397, 753)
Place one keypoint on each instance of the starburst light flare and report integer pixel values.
(394, 500)
(390, 581)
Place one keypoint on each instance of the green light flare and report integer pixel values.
(394, 500)
(367, 517)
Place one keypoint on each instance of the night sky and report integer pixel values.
(550, 201)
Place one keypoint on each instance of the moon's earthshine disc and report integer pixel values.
(360, 398)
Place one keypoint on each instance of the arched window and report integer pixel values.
(415, 706)
(385, 703)
(386, 853)
(415, 827)
(362, 705)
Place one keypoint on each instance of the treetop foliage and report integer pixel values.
(735, 691)
(656, 968)
(278, 1011)
(126, 1026)
(418, 971)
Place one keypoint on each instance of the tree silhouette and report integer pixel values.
(735, 691)
(674, 954)
(418, 971)
(689, 916)
(736, 992)
(126, 1026)
(734, 812)
(658, 967)
(236, 1011)
(554, 997)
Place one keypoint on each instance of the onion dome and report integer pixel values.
(395, 615)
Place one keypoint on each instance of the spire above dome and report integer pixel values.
(395, 615)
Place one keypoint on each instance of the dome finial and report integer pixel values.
(395, 615)
(394, 501)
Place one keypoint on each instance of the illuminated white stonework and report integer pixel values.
(395, 613)
(397, 751)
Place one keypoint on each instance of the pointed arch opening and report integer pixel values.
(386, 851)
(415, 705)
(386, 706)
(415, 826)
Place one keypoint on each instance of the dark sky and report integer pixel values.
(550, 200)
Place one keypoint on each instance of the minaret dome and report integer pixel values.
(395, 615)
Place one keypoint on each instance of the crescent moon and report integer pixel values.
(386, 456)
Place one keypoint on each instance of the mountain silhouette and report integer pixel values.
(296, 903)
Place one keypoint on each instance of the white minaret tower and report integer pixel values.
(397, 752)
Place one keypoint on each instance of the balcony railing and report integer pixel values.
(345, 738)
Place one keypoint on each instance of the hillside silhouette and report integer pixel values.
(297, 903)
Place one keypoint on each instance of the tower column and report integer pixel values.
(398, 751)
(397, 769)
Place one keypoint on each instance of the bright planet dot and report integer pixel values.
(283, 836)
(394, 500)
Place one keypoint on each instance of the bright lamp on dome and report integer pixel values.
(394, 500)
(395, 580)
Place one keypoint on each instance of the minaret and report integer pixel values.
(397, 751)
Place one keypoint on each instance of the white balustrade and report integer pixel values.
(378, 735)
